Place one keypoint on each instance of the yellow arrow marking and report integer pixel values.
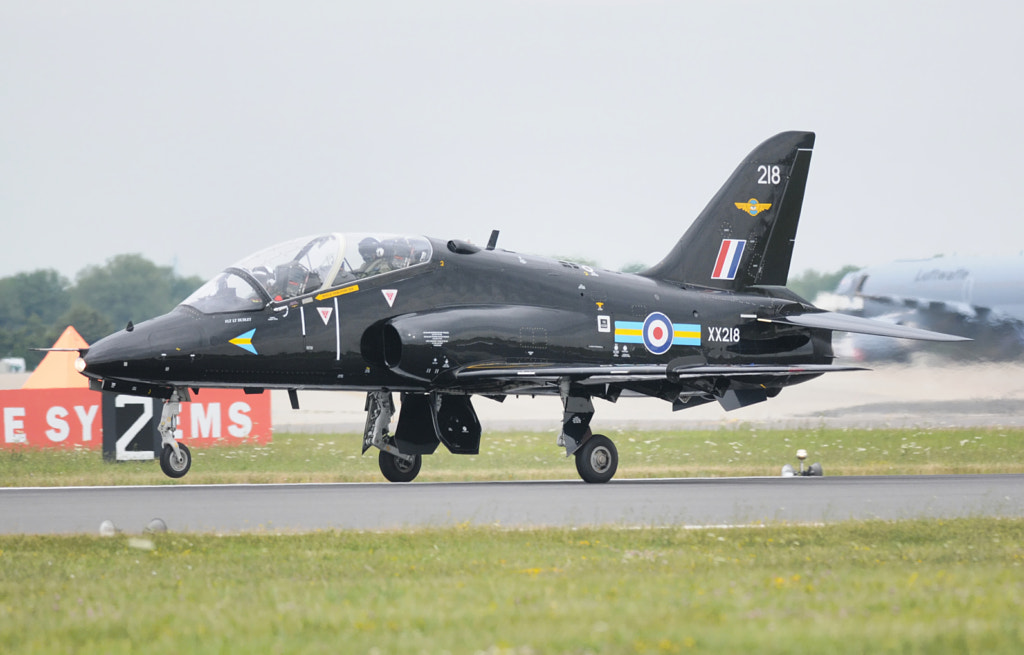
(337, 292)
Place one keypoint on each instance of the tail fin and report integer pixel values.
(745, 235)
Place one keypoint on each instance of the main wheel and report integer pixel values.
(175, 465)
(396, 469)
(597, 459)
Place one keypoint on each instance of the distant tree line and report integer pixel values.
(810, 283)
(36, 307)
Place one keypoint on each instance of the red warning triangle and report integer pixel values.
(325, 314)
(390, 295)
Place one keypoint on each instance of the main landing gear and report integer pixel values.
(596, 456)
(175, 458)
(597, 459)
(429, 419)
(396, 468)
(395, 465)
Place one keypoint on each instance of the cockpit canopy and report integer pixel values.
(301, 266)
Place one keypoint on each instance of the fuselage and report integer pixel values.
(408, 329)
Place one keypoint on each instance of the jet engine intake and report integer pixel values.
(406, 349)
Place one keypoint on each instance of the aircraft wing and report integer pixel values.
(553, 372)
(675, 370)
(847, 323)
(686, 381)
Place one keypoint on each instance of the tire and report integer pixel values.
(399, 470)
(597, 459)
(176, 466)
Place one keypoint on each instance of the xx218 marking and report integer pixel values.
(724, 334)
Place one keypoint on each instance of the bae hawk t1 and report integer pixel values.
(441, 321)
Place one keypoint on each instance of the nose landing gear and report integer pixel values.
(175, 458)
(175, 462)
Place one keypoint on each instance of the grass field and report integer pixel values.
(525, 456)
(909, 587)
(856, 587)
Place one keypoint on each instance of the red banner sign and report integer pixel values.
(68, 418)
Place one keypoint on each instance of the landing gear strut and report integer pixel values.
(395, 465)
(175, 458)
(597, 459)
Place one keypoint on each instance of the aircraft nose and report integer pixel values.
(112, 355)
(142, 352)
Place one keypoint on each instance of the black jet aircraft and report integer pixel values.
(442, 321)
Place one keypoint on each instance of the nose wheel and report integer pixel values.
(597, 459)
(175, 463)
(175, 457)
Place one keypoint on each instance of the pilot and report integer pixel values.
(401, 253)
(291, 279)
(374, 258)
(368, 249)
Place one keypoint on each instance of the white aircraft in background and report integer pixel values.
(977, 297)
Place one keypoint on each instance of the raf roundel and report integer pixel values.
(658, 333)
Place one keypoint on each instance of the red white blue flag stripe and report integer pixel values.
(728, 259)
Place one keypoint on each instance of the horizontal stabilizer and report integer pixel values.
(847, 323)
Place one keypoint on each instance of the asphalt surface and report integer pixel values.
(386, 506)
(923, 396)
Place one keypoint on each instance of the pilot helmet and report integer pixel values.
(400, 252)
(369, 248)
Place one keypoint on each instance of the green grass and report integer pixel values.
(523, 456)
(874, 587)
(868, 587)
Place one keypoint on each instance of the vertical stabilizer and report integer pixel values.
(745, 234)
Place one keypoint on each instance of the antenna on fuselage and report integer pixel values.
(493, 241)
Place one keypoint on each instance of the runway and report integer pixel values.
(979, 395)
(625, 503)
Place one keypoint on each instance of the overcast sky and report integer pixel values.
(197, 132)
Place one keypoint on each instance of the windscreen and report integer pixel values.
(306, 265)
